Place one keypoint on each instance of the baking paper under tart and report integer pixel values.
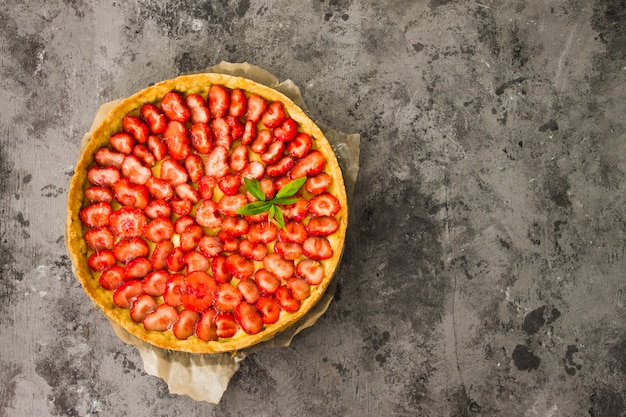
(187, 84)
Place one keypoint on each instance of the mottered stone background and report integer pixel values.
(484, 270)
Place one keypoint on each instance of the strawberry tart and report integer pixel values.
(207, 213)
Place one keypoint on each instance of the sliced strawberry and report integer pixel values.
(221, 132)
(229, 204)
(144, 153)
(159, 188)
(100, 261)
(190, 237)
(262, 141)
(287, 130)
(237, 128)
(273, 153)
(310, 165)
(231, 243)
(126, 250)
(262, 232)
(135, 171)
(207, 214)
(278, 266)
(286, 299)
(269, 309)
(280, 182)
(122, 142)
(183, 222)
(177, 140)
(249, 318)
(300, 146)
(322, 226)
(174, 260)
(238, 103)
(104, 177)
(216, 162)
(249, 290)
(257, 218)
(199, 111)
(123, 192)
(317, 248)
(220, 272)
(255, 169)
(186, 324)
(126, 293)
(195, 167)
(159, 229)
(108, 158)
(210, 246)
(181, 207)
(136, 128)
(230, 183)
(187, 192)
(227, 297)
(219, 100)
(267, 282)
(324, 204)
(195, 100)
(238, 160)
(96, 215)
(99, 238)
(142, 305)
(206, 186)
(198, 291)
(155, 282)
(300, 289)
(175, 107)
(256, 107)
(157, 147)
(206, 329)
(296, 211)
(196, 261)
(239, 267)
(201, 138)
(157, 208)
(160, 253)
(252, 251)
(249, 133)
(163, 318)
(173, 290)
(280, 168)
(154, 117)
(268, 187)
(138, 196)
(112, 278)
(128, 222)
(288, 250)
(173, 172)
(274, 115)
(226, 325)
(235, 226)
(294, 231)
(318, 184)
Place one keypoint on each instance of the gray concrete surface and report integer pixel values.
(484, 268)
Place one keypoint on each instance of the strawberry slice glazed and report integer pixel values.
(207, 214)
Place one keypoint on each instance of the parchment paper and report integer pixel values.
(205, 377)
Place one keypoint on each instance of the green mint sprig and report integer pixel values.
(283, 196)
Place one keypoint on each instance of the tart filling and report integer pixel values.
(207, 213)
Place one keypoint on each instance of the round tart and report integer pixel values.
(207, 213)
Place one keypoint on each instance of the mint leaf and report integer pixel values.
(285, 200)
(278, 215)
(290, 188)
(255, 189)
(256, 207)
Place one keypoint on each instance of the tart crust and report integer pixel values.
(99, 137)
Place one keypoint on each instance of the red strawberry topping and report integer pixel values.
(157, 147)
(286, 300)
(227, 297)
(186, 324)
(235, 226)
(262, 232)
(196, 261)
(219, 100)
(154, 117)
(128, 222)
(135, 171)
(198, 291)
(100, 261)
(239, 267)
(280, 168)
(187, 192)
(278, 266)
(177, 140)
(216, 162)
(206, 329)
(207, 214)
(286, 131)
(249, 290)
(201, 138)
(262, 141)
(269, 309)
(163, 318)
(190, 237)
(273, 153)
(300, 289)
(293, 232)
(126, 250)
(159, 229)
(237, 129)
(106, 157)
(249, 318)
(253, 251)
(317, 248)
(256, 107)
(238, 103)
(255, 169)
(159, 188)
(142, 305)
(175, 107)
(226, 325)
(267, 282)
(144, 153)
(155, 282)
(173, 172)
(206, 185)
(173, 290)
(157, 208)
(112, 278)
(122, 142)
(229, 204)
(324, 204)
(136, 128)
(221, 132)
(174, 260)
(239, 158)
(310, 165)
(195, 167)
(99, 239)
(317, 184)
(126, 293)
(274, 115)
(322, 226)
(230, 184)
(160, 254)
(249, 133)
(97, 194)
(220, 272)
(296, 211)
(288, 250)
(210, 246)
(181, 207)
(105, 177)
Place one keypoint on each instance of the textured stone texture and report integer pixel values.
(484, 268)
